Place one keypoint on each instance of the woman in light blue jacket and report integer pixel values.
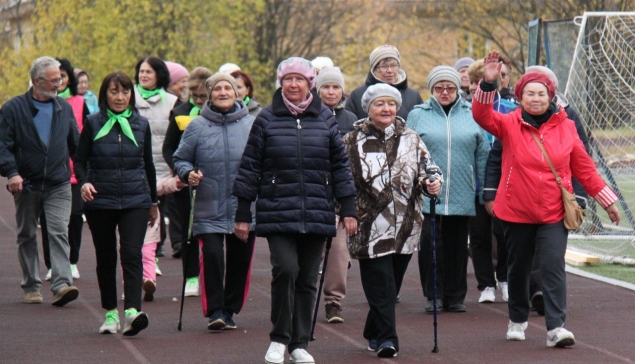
(460, 148)
(215, 142)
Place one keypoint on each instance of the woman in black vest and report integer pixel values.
(114, 166)
(295, 164)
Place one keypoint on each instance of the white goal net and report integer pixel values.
(601, 88)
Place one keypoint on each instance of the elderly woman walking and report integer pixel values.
(460, 147)
(529, 201)
(391, 167)
(215, 141)
(295, 165)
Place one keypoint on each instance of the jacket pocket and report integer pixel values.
(328, 187)
(473, 179)
(268, 185)
(146, 185)
(508, 182)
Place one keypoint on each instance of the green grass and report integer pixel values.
(620, 272)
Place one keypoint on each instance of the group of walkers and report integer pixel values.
(293, 171)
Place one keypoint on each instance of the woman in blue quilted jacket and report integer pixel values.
(295, 165)
(460, 148)
(215, 141)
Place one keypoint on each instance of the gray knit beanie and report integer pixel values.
(330, 75)
(463, 62)
(377, 91)
(218, 77)
(382, 52)
(443, 73)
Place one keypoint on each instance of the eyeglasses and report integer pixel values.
(54, 82)
(385, 67)
(195, 97)
(440, 89)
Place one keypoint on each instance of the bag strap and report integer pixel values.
(544, 152)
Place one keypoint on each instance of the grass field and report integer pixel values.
(620, 272)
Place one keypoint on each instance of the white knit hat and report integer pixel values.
(443, 73)
(321, 62)
(380, 90)
(330, 75)
(229, 68)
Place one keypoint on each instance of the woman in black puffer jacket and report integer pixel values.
(295, 165)
(114, 166)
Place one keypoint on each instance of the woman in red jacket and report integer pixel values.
(528, 201)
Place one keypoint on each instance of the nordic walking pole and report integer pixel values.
(189, 237)
(317, 302)
(433, 212)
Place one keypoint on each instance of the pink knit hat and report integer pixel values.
(177, 71)
(298, 66)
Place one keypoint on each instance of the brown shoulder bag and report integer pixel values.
(573, 213)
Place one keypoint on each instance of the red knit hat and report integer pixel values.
(534, 77)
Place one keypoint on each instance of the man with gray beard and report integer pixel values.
(38, 134)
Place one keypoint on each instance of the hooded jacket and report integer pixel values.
(409, 97)
(528, 192)
(389, 167)
(216, 142)
(23, 152)
(460, 148)
(295, 166)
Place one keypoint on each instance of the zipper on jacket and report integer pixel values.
(449, 169)
(119, 171)
(302, 212)
(46, 160)
(227, 181)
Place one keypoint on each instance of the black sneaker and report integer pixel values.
(538, 303)
(216, 320)
(430, 308)
(229, 322)
(176, 251)
(386, 350)
(456, 307)
(160, 252)
(333, 313)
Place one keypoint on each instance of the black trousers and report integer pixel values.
(295, 260)
(174, 229)
(75, 227)
(381, 279)
(451, 244)
(132, 224)
(189, 257)
(481, 245)
(501, 250)
(524, 241)
(225, 274)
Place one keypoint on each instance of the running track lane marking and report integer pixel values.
(127, 344)
(577, 342)
(324, 326)
(9, 227)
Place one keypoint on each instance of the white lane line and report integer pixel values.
(127, 344)
(577, 342)
(6, 224)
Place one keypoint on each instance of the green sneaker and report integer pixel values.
(111, 325)
(156, 267)
(135, 322)
(191, 287)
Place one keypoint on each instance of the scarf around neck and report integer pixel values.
(297, 109)
(196, 111)
(146, 94)
(66, 94)
(122, 119)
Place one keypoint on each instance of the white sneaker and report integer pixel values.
(156, 267)
(191, 287)
(560, 337)
(111, 325)
(48, 275)
(300, 356)
(74, 271)
(516, 331)
(487, 296)
(275, 353)
(504, 290)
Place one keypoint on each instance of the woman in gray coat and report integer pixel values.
(215, 142)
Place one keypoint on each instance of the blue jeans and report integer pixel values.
(56, 204)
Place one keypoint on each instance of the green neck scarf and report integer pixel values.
(65, 94)
(122, 119)
(196, 111)
(247, 99)
(146, 94)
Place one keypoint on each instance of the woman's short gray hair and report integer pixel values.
(39, 66)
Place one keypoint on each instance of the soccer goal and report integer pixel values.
(601, 88)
